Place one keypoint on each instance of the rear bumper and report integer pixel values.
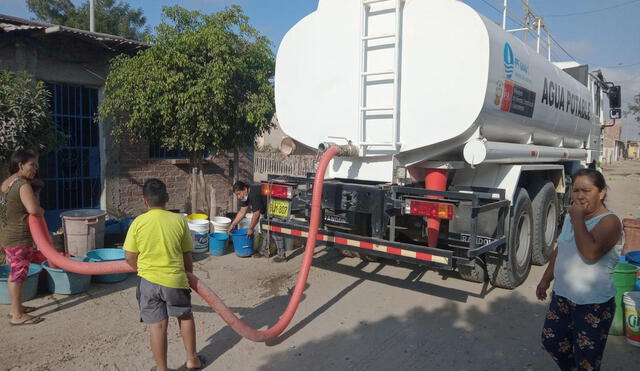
(425, 256)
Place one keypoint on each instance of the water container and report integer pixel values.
(246, 221)
(631, 318)
(220, 224)
(62, 282)
(199, 229)
(103, 255)
(83, 230)
(197, 217)
(624, 278)
(242, 244)
(29, 287)
(218, 243)
(126, 223)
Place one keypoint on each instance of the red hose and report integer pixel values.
(41, 238)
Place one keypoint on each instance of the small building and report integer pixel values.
(612, 147)
(632, 150)
(90, 170)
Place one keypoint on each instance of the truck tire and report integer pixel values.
(473, 273)
(510, 266)
(545, 223)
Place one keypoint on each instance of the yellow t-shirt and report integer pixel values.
(160, 238)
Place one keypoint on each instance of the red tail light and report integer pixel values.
(277, 190)
(433, 209)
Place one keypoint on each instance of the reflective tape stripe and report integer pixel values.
(362, 244)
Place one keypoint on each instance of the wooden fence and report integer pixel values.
(274, 163)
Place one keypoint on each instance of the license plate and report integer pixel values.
(279, 208)
(480, 240)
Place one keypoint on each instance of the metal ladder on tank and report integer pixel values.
(393, 74)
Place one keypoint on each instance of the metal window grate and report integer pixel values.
(72, 173)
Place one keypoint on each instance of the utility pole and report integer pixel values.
(92, 19)
(527, 19)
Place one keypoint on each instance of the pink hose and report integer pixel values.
(42, 240)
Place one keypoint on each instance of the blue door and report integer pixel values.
(72, 173)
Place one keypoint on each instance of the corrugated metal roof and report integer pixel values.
(13, 24)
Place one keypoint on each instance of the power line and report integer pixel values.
(593, 11)
(622, 65)
(494, 8)
(511, 17)
(562, 48)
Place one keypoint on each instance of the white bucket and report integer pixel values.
(632, 317)
(246, 221)
(220, 224)
(199, 229)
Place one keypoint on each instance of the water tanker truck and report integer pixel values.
(458, 138)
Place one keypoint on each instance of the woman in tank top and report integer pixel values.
(581, 268)
(17, 202)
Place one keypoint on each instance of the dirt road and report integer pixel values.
(355, 316)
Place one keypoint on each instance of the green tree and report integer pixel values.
(633, 108)
(25, 115)
(204, 84)
(111, 16)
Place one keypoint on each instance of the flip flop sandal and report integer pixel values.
(203, 362)
(30, 321)
(25, 311)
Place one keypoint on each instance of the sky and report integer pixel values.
(603, 34)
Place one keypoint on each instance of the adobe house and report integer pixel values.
(90, 171)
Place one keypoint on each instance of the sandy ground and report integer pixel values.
(355, 316)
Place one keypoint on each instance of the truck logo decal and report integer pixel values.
(508, 60)
(516, 99)
(514, 67)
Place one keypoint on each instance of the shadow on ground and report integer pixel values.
(506, 337)
(58, 302)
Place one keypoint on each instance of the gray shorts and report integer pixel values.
(159, 302)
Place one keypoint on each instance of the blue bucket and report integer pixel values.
(242, 244)
(29, 288)
(218, 243)
(632, 257)
(62, 282)
(104, 255)
(126, 223)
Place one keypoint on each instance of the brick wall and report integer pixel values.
(132, 167)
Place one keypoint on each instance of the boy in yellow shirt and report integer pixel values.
(158, 246)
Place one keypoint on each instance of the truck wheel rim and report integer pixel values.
(523, 239)
(550, 225)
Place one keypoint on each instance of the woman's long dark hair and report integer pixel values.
(18, 157)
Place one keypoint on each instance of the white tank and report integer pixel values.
(461, 76)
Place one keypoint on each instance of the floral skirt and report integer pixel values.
(19, 258)
(575, 334)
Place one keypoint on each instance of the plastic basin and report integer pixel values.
(102, 255)
(62, 282)
(242, 244)
(29, 288)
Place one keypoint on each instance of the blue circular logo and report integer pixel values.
(508, 60)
